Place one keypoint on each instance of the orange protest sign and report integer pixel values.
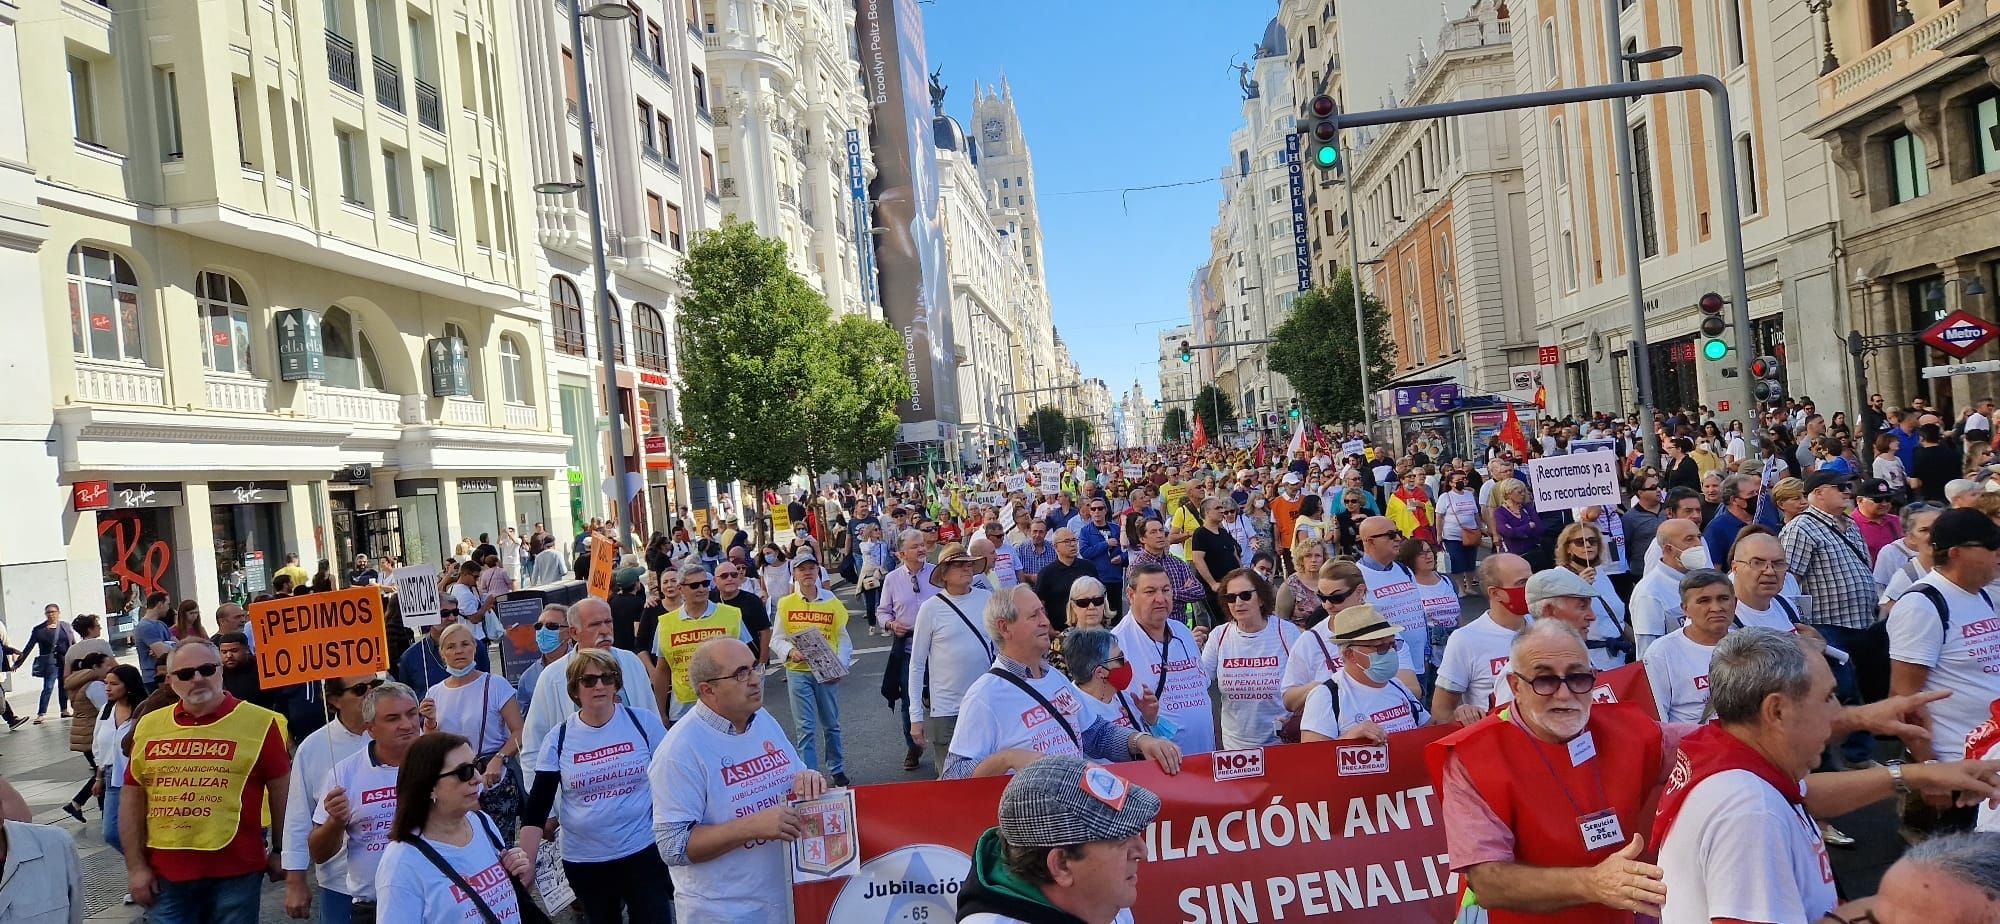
(603, 560)
(332, 634)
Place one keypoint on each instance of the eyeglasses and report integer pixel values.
(1243, 596)
(1379, 648)
(694, 584)
(1066, 541)
(464, 773)
(1392, 534)
(186, 674)
(1759, 564)
(359, 689)
(1325, 597)
(1110, 663)
(1546, 684)
(597, 680)
(1586, 540)
(1087, 601)
(740, 675)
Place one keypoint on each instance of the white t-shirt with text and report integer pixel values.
(371, 810)
(1248, 668)
(996, 715)
(1391, 706)
(1677, 669)
(1740, 850)
(1184, 695)
(1475, 659)
(1963, 657)
(705, 776)
(604, 799)
(412, 889)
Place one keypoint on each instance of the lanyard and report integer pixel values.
(1596, 770)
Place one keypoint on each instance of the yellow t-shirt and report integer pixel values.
(679, 636)
(797, 614)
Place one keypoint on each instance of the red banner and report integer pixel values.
(1278, 833)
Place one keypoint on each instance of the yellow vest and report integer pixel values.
(797, 614)
(680, 636)
(195, 775)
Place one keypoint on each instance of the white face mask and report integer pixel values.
(1695, 559)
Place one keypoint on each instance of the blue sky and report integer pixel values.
(1111, 93)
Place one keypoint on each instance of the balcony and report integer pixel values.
(354, 405)
(1903, 54)
(523, 417)
(118, 383)
(806, 215)
(341, 63)
(388, 85)
(430, 107)
(465, 412)
(239, 393)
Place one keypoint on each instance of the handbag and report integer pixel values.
(531, 913)
(502, 800)
(871, 576)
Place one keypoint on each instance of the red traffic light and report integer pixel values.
(1711, 303)
(1321, 107)
(1764, 367)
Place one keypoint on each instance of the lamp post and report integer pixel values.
(600, 276)
(1628, 201)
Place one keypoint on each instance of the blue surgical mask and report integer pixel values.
(462, 671)
(548, 640)
(1382, 667)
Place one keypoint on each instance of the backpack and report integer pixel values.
(1936, 597)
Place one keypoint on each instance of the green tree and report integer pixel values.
(1317, 351)
(1174, 425)
(1080, 431)
(857, 382)
(1215, 410)
(1048, 426)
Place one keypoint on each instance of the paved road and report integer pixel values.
(37, 761)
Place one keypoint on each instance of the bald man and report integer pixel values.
(1392, 588)
(1656, 599)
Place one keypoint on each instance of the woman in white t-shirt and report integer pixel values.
(1580, 548)
(445, 862)
(1458, 511)
(480, 707)
(1439, 595)
(124, 690)
(599, 788)
(1373, 695)
(1677, 664)
(1246, 656)
(1095, 663)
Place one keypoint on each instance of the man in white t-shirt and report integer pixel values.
(722, 784)
(1956, 650)
(359, 807)
(1023, 708)
(1166, 658)
(1392, 587)
(1656, 599)
(1677, 664)
(590, 625)
(1475, 656)
(312, 774)
(1757, 571)
(1374, 694)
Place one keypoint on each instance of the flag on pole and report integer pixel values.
(1200, 433)
(1298, 444)
(1511, 435)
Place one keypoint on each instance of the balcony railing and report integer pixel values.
(354, 405)
(430, 107)
(237, 393)
(117, 383)
(465, 412)
(1903, 54)
(341, 64)
(388, 85)
(523, 417)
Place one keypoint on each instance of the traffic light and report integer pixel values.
(1294, 412)
(1714, 348)
(1187, 352)
(1156, 404)
(1770, 386)
(1323, 131)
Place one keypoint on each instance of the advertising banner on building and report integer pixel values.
(450, 371)
(909, 251)
(301, 354)
(1285, 832)
(1427, 399)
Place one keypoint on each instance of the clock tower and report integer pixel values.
(1007, 172)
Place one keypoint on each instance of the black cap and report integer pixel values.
(1873, 489)
(1962, 526)
(1823, 478)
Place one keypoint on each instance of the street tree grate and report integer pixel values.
(104, 882)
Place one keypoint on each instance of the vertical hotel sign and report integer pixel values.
(1301, 247)
(909, 249)
(857, 184)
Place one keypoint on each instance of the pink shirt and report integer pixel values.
(901, 597)
(1878, 533)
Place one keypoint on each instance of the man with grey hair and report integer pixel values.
(355, 814)
(589, 627)
(905, 589)
(1952, 879)
(1735, 826)
(1022, 709)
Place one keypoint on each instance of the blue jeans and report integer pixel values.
(208, 901)
(111, 794)
(814, 708)
(903, 720)
(869, 600)
(335, 907)
(1857, 746)
(51, 685)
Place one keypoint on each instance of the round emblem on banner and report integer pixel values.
(918, 884)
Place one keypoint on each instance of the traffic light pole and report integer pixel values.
(1628, 204)
(1354, 289)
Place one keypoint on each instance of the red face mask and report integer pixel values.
(1120, 676)
(1515, 599)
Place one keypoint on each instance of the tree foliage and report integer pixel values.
(857, 385)
(1080, 431)
(1174, 425)
(1215, 410)
(1049, 427)
(1317, 351)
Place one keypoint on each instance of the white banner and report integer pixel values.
(417, 594)
(1017, 483)
(1353, 448)
(1134, 471)
(1575, 481)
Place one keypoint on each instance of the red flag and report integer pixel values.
(1257, 458)
(1200, 433)
(1510, 433)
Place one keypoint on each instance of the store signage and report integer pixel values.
(654, 379)
(356, 473)
(656, 445)
(528, 484)
(1548, 355)
(1301, 226)
(450, 372)
(142, 495)
(1959, 333)
(253, 492)
(301, 355)
(478, 485)
(1427, 399)
(90, 495)
(1945, 372)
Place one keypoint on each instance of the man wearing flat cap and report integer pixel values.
(1067, 848)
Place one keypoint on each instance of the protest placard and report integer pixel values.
(1049, 477)
(603, 560)
(1353, 448)
(417, 594)
(1017, 483)
(336, 633)
(1574, 481)
(1134, 471)
(1610, 518)
(781, 523)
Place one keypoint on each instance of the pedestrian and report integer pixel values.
(1246, 655)
(124, 690)
(1677, 665)
(552, 642)
(697, 619)
(1374, 694)
(1166, 656)
(1656, 599)
(1470, 675)
(48, 650)
(815, 705)
(728, 864)
(440, 844)
(1581, 550)
(44, 881)
(1935, 630)
(1298, 597)
(480, 707)
(359, 806)
(1827, 554)
(88, 663)
(423, 663)
(1067, 847)
(312, 775)
(152, 637)
(594, 777)
(756, 610)
(905, 589)
(948, 649)
(1097, 666)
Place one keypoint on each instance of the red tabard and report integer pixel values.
(1505, 767)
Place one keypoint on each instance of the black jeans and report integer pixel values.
(638, 886)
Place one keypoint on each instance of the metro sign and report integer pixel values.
(1959, 333)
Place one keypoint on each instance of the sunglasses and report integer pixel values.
(1087, 601)
(552, 626)
(1546, 684)
(1244, 596)
(588, 681)
(694, 584)
(1388, 535)
(464, 773)
(186, 674)
(1584, 540)
(359, 689)
(1339, 597)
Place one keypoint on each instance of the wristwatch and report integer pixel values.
(1895, 768)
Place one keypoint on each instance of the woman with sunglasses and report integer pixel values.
(1246, 656)
(1314, 657)
(599, 789)
(440, 844)
(481, 707)
(1098, 668)
(1088, 608)
(1298, 596)
(1580, 548)
(1458, 522)
(312, 776)
(1373, 694)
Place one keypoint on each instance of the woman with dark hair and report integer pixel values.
(440, 843)
(1308, 527)
(1681, 470)
(323, 578)
(1440, 596)
(124, 691)
(1246, 655)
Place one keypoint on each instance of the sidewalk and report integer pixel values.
(37, 760)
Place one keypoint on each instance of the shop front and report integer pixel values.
(248, 522)
(531, 505)
(1427, 419)
(135, 544)
(422, 515)
(479, 508)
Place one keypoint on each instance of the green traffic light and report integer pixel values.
(1714, 350)
(1327, 156)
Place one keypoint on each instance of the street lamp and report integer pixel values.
(600, 275)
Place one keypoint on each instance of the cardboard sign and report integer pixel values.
(1017, 483)
(1574, 481)
(781, 523)
(1049, 477)
(829, 847)
(417, 595)
(1134, 471)
(337, 633)
(603, 561)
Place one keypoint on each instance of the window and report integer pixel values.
(566, 315)
(1549, 59)
(700, 91)
(1006, 202)
(657, 41)
(646, 138)
(1559, 155)
(453, 333)
(656, 217)
(617, 324)
(674, 227)
(1642, 185)
(167, 109)
(395, 188)
(437, 197)
(1732, 32)
(353, 174)
(515, 385)
(83, 102)
(1909, 167)
(225, 315)
(1746, 174)
(1003, 182)
(708, 173)
(667, 138)
(104, 306)
(569, 79)
(651, 334)
(1985, 123)
(350, 360)
(482, 233)
(1569, 261)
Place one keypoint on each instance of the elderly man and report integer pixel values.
(722, 784)
(1053, 581)
(1068, 847)
(1022, 709)
(681, 631)
(1374, 693)
(1475, 656)
(1734, 828)
(1165, 657)
(1739, 509)
(1656, 599)
(1392, 587)
(355, 813)
(905, 589)
(1830, 559)
(202, 771)
(1757, 574)
(550, 706)
(948, 650)
(312, 775)
(1562, 594)
(1953, 879)
(1099, 542)
(1677, 664)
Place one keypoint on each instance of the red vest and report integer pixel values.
(1512, 770)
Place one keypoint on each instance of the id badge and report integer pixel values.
(1601, 830)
